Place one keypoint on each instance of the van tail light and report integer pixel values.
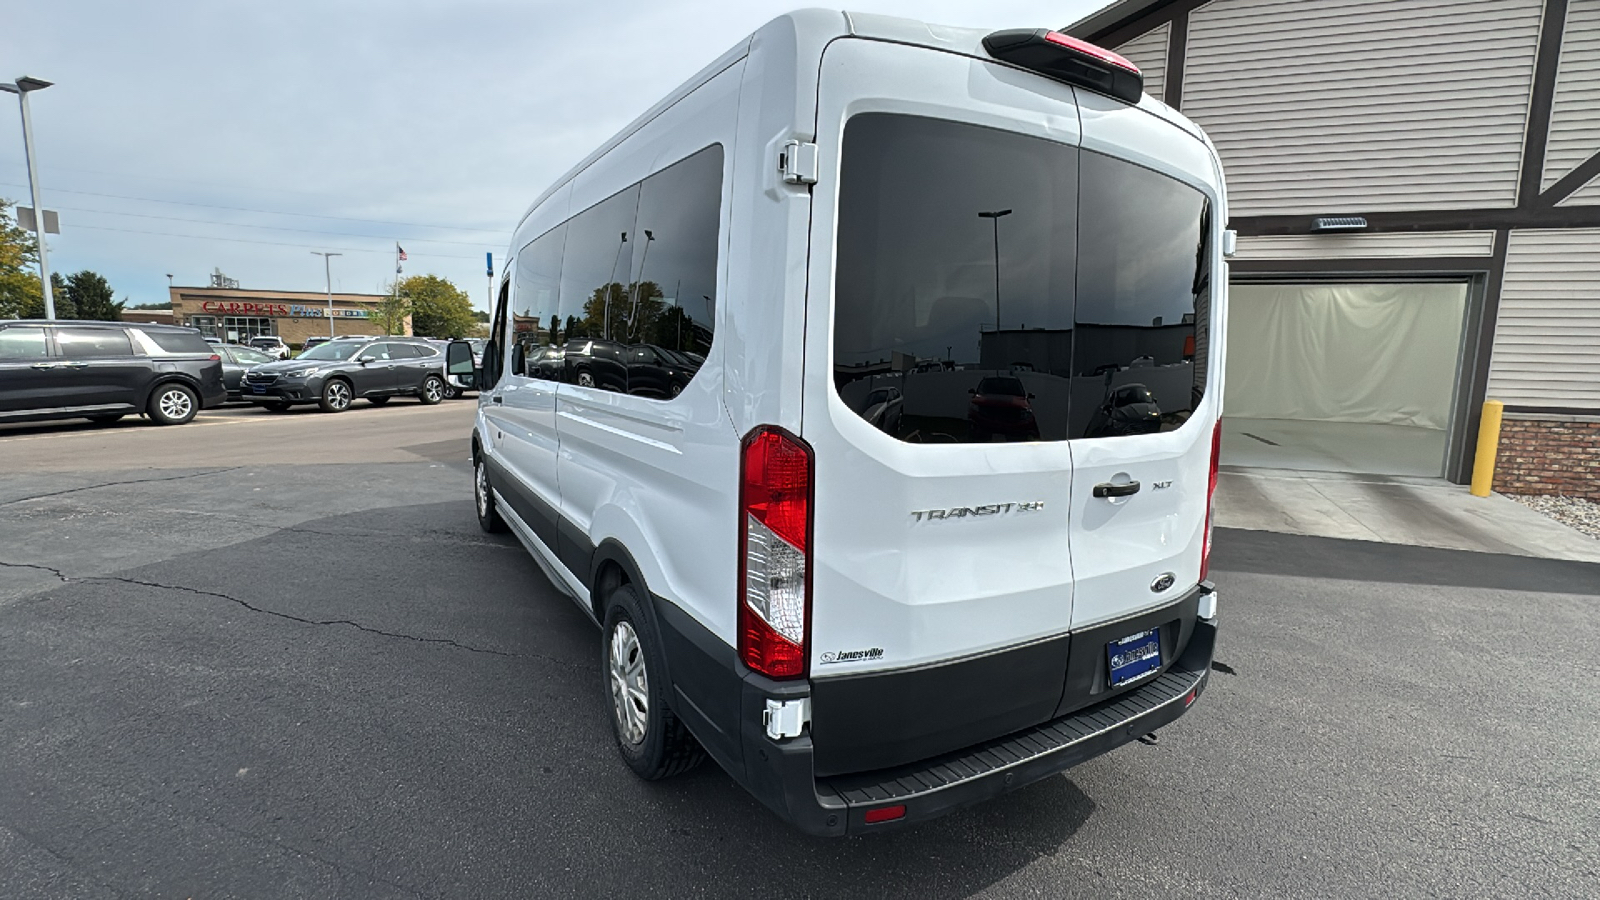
(216, 358)
(1065, 58)
(775, 478)
(1211, 493)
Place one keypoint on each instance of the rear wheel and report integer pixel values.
(173, 404)
(377, 401)
(336, 396)
(432, 390)
(451, 392)
(653, 741)
(488, 517)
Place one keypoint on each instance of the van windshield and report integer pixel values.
(965, 280)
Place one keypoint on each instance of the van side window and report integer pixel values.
(535, 311)
(1144, 281)
(494, 349)
(675, 256)
(594, 279)
(23, 342)
(93, 343)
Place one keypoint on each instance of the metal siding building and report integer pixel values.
(1465, 132)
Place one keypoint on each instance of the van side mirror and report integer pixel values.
(458, 358)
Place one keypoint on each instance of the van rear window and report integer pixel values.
(1012, 288)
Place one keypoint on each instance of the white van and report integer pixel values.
(865, 392)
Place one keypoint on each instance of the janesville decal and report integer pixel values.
(839, 656)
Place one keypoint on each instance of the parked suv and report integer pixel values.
(103, 371)
(271, 345)
(810, 560)
(335, 373)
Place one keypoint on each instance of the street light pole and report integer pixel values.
(22, 88)
(994, 216)
(327, 271)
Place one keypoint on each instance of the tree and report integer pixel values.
(20, 292)
(438, 307)
(91, 298)
(157, 305)
(389, 314)
(555, 327)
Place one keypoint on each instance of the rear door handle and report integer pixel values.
(1107, 489)
(45, 365)
(496, 399)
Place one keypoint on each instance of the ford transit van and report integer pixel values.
(864, 392)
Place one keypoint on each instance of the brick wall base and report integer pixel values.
(1549, 455)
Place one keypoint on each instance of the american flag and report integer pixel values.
(401, 251)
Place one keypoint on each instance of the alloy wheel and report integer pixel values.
(176, 404)
(480, 489)
(338, 395)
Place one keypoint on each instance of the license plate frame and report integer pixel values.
(1131, 658)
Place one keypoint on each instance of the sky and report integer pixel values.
(192, 135)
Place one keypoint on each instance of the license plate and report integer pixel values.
(258, 388)
(1134, 657)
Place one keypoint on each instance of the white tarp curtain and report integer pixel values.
(1383, 353)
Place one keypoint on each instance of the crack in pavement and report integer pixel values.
(56, 572)
(94, 487)
(449, 642)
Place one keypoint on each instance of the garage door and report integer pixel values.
(1354, 377)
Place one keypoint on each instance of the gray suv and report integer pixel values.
(102, 371)
(334, 374)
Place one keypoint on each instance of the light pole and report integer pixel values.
(994, 216)
(22, 88)
(327, 271)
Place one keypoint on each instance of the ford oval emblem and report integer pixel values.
(1164, 582)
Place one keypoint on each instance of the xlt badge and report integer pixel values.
(962, 512)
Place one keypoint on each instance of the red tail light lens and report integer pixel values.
(775, 470)
(1088, 49)
(1211, 492)
(216, 358)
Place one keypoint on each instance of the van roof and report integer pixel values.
(815, 28)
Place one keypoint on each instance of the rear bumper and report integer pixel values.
(795, 780)
(781, 774)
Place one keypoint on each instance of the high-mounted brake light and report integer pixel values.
(1065, 58)
(774, 542)
(1211, 492)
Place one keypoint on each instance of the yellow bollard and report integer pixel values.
(1488, 448)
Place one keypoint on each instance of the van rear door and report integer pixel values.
(938, 355)
(1142, 413)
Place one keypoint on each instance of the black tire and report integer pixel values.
(377, 401)
(483, 499)
(277, 406)
(337, 396)
(432, 390)
(451, 392)
(106, 419)
(172, 404)
(664, 747)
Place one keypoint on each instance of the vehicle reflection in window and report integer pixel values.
(984, 312)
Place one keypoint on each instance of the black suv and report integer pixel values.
(103, 371)
(336, 373)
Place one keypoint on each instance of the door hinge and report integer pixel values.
(798, 161)
(786, 718)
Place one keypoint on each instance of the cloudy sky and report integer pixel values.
(182, 136)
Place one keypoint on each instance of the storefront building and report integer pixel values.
(237, 315)
(1416, 186)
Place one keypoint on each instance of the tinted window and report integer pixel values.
(1143, 282)
(250, 357)
(180, 341)
(675, 255)
(22, 343)
(376, 351)
(964, 282)
(95, 343)
(595, 268)
(402, 351)
(536, 316)
(332, 350)
(956, 258)
(424, 351)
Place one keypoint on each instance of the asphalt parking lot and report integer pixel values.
(273, 656)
